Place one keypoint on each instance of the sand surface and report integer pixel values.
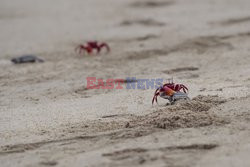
(49, 118)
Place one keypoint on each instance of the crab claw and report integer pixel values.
(164, 92)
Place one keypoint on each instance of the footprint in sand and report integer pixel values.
(151, 4)
(146, 37)
(143, 22)
(233, 21)
(172, 155)
(176, 70)
(49, 163)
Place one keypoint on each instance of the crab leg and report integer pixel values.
(184, 88)
(155, 96)
(104, 45)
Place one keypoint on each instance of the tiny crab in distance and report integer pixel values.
(90, 46)
(171, 92)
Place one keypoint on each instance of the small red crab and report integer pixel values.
(171, 91)
(176, 87)
(90, 46)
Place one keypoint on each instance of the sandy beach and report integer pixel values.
(50, 118)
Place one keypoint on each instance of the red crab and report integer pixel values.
(171, 91)
(176, 87)
(90, 46)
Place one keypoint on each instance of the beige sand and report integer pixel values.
(48, 118)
